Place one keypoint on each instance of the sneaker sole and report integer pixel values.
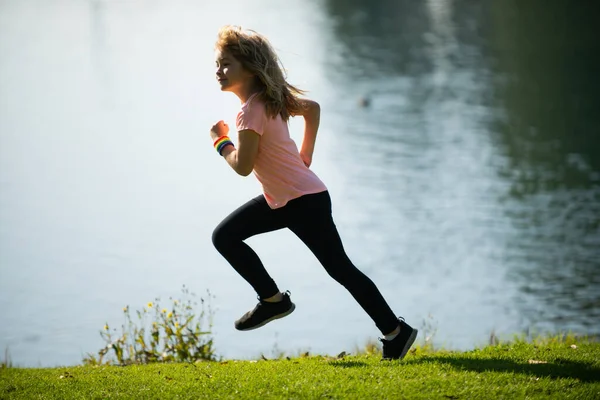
(411, 340)
(273, 318)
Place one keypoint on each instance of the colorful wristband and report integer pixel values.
(221, 143)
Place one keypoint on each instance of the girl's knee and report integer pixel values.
(226, 234)
(343, 270)
(219, 237)
(343, 273)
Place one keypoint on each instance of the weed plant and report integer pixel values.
(180, 332)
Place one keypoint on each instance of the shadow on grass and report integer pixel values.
(560, 368)
(347, 364)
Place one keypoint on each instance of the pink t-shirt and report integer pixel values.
(278, 166)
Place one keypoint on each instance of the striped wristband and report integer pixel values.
(221, 143)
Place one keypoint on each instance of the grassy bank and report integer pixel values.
(548, 368)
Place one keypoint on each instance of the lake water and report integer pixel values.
(460, 141)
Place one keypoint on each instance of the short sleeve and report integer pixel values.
(252, 117)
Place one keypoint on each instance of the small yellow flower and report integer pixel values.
(149, 305)
(125, 309)
(175, 302)
(176, 324)
(169, 315)
(164, 310)
(105, 327)
(154, 324)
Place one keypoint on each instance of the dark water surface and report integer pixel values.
(460, 141)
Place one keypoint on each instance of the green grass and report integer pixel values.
(551, 368)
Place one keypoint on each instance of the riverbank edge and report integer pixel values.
(568, 367)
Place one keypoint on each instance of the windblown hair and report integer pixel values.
(257, 56)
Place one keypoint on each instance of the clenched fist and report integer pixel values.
(219, 129)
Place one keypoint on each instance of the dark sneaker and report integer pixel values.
(397, 348)
(265, 312)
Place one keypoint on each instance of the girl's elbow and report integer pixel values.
(309, 108)
(316, 111)
(244, 171)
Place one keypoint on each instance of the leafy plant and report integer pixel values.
(174, 334)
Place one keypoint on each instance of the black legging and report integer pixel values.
(309, 217)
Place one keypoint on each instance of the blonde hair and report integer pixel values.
(257, 56)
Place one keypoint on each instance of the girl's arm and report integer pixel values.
(311, 111)
(242, 158)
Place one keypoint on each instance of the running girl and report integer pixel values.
(293, 196)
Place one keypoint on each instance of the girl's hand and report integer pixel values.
(219, 129)
(306, 158)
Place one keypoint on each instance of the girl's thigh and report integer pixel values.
(252, 218)
(312, 222)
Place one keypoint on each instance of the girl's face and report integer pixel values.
(231, 75)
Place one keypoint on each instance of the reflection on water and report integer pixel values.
(550, 135)
(459, 140)
(484, 118)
